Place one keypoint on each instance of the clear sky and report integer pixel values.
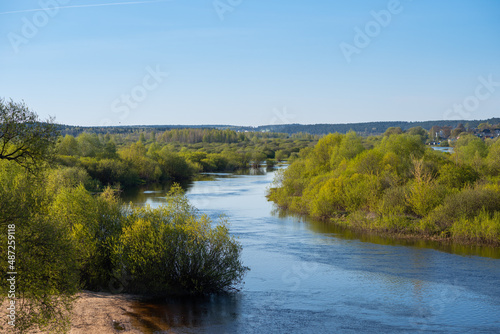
(251, 62)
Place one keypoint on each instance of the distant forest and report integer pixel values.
(363, 129)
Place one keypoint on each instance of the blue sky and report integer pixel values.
(252, 62)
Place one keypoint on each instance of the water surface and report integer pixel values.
(311, 277)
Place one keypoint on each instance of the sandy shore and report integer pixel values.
(97, 312)
(103, 313)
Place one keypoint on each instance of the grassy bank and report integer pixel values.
(395, 184)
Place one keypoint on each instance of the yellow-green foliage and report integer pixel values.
(68, 238)
(95, 224)
(173, 250)
(176, 155)
(493, 159)
(484, 226)
(424, 193)
(405, 185)
(47, 275)
(471, 150)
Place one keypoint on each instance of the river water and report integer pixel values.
(311, 277)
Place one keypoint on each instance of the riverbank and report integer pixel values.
(398, 185)
(106, 313)
(369, 225)
(400, 228)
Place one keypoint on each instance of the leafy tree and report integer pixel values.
(109, 150)
(47, 275)
(493, 159)
(67, 145)
(89, 145)
(349, 147)
(280, 155)
(418, 131)
(458, 130)
(142, 138)
(258, 158)
(174, 166)
(24, 138)
(470, 150)
(95, 224)
(393, 131)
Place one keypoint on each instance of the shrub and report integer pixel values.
(483, 227)
(172, 250)
(493, 159)
(425, 196)
(467, 203)
(457, 176)
(174, 166)
(95, 223)
(395, 220)
(394, 198)
(47, 275)
(111, 171)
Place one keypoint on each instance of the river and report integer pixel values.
(310, 277)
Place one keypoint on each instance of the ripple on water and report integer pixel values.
(309, 276)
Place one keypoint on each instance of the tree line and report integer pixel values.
(395, 183)
(364, 129)
(174, 155)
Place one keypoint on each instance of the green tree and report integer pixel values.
(393, 131)
(172, 250)
(470, 150)
(418, 131)
(493, 159)
(67, 145)
(24, 138)
(47, 275)
(174, 166)
(89, 145)
(280, 155)
(350, 146)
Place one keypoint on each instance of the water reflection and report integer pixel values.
(338, 231)
(186, 314)
(154, 194)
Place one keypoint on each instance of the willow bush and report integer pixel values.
(173, 250)
(395, 183)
